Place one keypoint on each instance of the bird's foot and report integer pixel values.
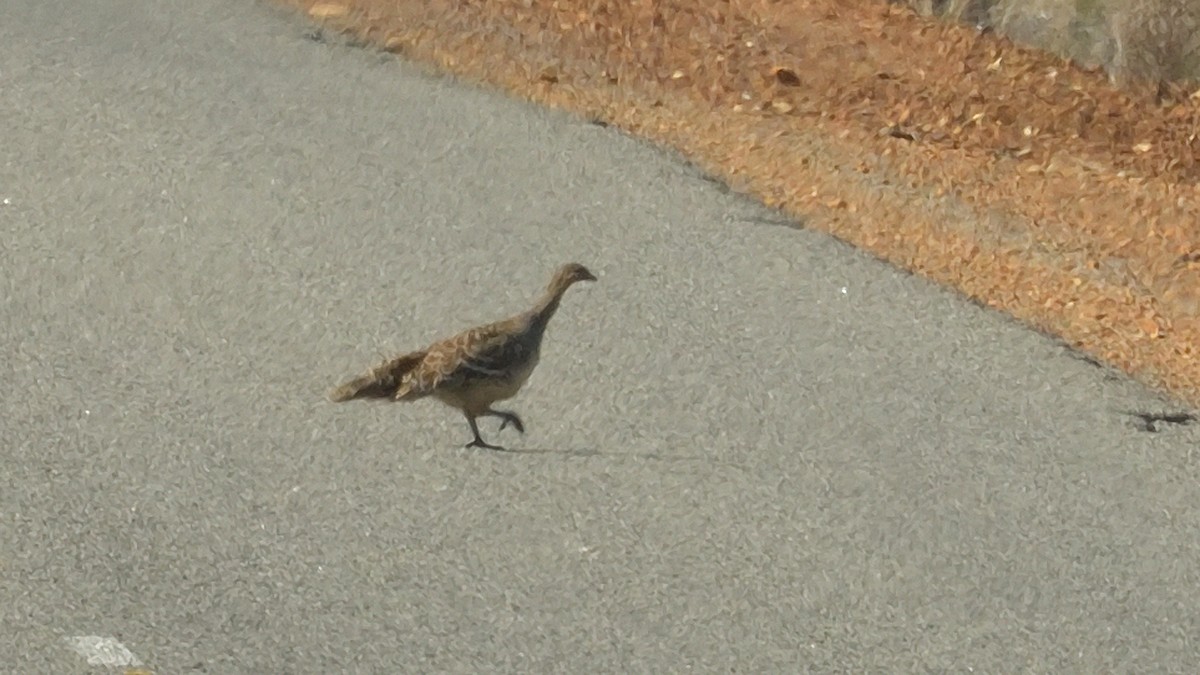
(511, 418)
(480, 443)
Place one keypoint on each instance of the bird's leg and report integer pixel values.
(478, 442)
(508, 417)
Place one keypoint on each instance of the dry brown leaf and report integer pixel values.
(787, 77)
(1150, 327)
(327, 10)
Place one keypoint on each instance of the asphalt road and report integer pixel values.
(750, 448)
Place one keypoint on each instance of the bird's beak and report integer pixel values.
(590, 277)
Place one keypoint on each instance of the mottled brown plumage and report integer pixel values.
(473, 369)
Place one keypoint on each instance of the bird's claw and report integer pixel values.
(515, 421)
(480, 443)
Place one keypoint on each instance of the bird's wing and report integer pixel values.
(486, 352)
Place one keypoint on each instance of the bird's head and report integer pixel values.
(569, 274)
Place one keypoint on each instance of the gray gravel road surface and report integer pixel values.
(750, 448)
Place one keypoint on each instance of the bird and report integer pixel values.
(473, 369)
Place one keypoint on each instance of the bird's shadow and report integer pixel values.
(565, 452)
(593, 452)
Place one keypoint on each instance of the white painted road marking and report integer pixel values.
(103, 651)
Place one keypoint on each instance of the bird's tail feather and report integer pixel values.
(380, 382)
(366, 386)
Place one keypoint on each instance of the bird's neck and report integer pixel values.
(547, 305)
